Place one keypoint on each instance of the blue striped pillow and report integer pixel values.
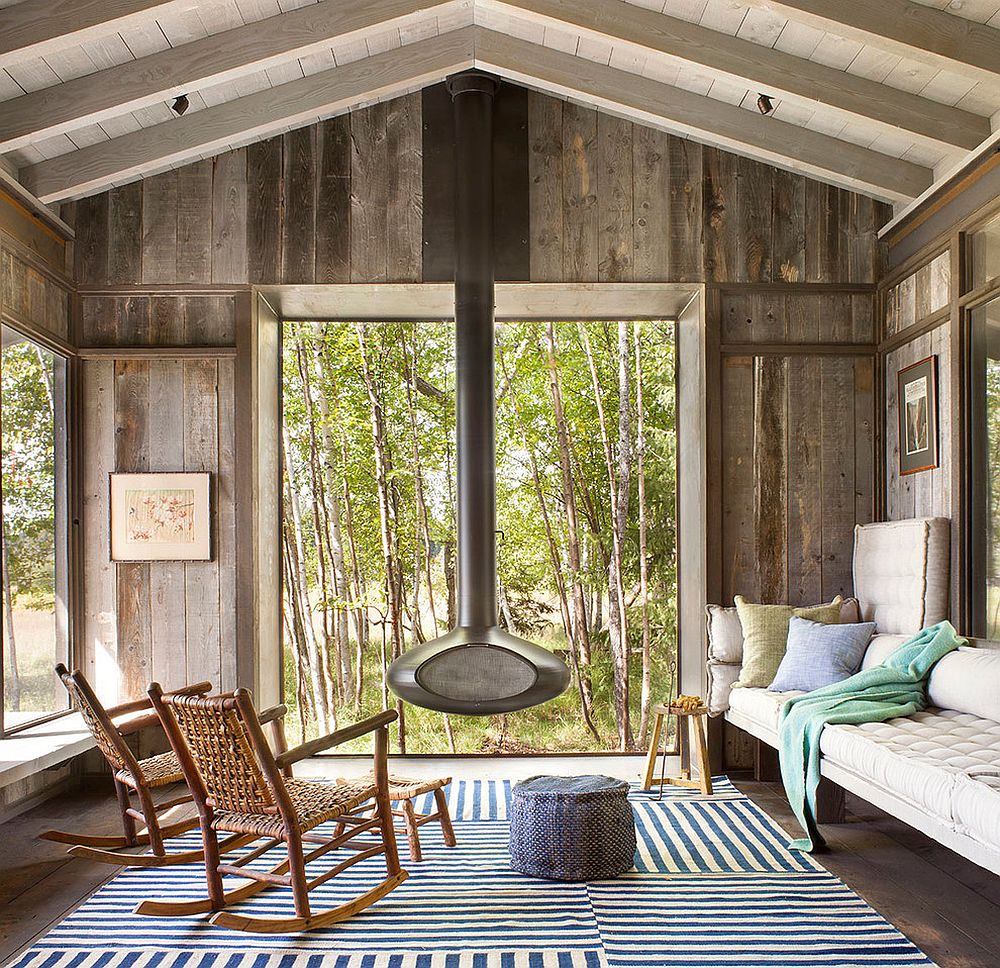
(819, 655)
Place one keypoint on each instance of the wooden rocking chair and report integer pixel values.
(134, 777)
(240, 787)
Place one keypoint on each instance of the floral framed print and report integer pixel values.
(161, 517)
(917, 403)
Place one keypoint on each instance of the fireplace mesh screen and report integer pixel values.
(477, 672)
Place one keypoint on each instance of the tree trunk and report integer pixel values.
(394, 616)
(319, 681)
(617, 626)
(580, 625)
(12, 690)
(557, 566)
(640, 471)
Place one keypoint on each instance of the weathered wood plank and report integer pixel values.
(226, 521)
(837, 474)
(90, 248)
(166, 321)
(545, 180)
(404, 144)
(194, 222)
(614, 199)
(580, 191)
(739, 566)
(201, 578)
(864, 439)
(159, 227)
(753, 232)
(229, 217)
(788, 226)
(265, 229)
(805, 498)
(125, 236)
(770, 473)
(208, 320)
(99, 645)
(369, 195)
(721, 194)
(333, 201)
(298, 246)
(651, 205)
(823, 234)
(132, 456)
(686, 254)
(166, 578)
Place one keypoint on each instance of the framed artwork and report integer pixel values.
(161, 517)
(917, 401)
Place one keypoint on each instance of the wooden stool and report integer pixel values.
(686, 738)
(403, 791)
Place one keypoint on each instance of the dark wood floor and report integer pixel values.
(946, 905)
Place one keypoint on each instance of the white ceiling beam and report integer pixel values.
(211, 60)
(920, 33)
(35, 28)
(255, 116)
(701, 118)
(773, 72)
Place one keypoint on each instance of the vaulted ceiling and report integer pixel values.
(883, 96)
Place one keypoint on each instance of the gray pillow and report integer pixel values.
(818, 655)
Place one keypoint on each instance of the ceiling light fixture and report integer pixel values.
(180, 105)
(764, 104)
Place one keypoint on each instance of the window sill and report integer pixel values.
(40, 747)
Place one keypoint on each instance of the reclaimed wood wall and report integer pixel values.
(158, 262)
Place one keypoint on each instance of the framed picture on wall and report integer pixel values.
(161, 517)
(917, 401)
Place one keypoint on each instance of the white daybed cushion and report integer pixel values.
(975, 804)
(721, 676)
(880, 647)
(901, 573)
(968, 680)
(760, 705)
(918, 758)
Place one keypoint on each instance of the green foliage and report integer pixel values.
(411, 368)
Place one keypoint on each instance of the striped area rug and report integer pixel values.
(713, 886)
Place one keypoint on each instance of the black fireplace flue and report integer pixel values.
(477, 668)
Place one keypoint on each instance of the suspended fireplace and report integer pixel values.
(477, 668)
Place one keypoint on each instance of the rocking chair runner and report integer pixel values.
(239, 786)
(135, 777)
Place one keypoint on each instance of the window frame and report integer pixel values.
(64, 383)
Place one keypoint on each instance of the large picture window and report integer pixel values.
(586, 478)
(34, 534)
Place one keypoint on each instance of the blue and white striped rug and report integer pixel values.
(714, 886)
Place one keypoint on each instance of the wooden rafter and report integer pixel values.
(34, 28)
(702, 118)
(190, 67)
(625, 25)
(912, 30)
(258, 115)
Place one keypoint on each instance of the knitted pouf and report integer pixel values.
(572, 828)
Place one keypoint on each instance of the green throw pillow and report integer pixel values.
(765, 636)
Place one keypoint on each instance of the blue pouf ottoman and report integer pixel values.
(572, 828)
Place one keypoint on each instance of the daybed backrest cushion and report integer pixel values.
(968, 680)
(901, 573)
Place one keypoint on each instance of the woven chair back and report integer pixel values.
(107, 738)
(217, 737)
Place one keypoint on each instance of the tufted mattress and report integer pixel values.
(942, 762)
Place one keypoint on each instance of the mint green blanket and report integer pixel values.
(897, 687)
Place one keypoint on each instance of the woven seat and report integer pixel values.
(157, 771)
(404, 791)
(314, 803)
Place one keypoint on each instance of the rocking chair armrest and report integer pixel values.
(269, 715)
(195, 689)
(337, 737)
(140, 722)
(132, 706)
